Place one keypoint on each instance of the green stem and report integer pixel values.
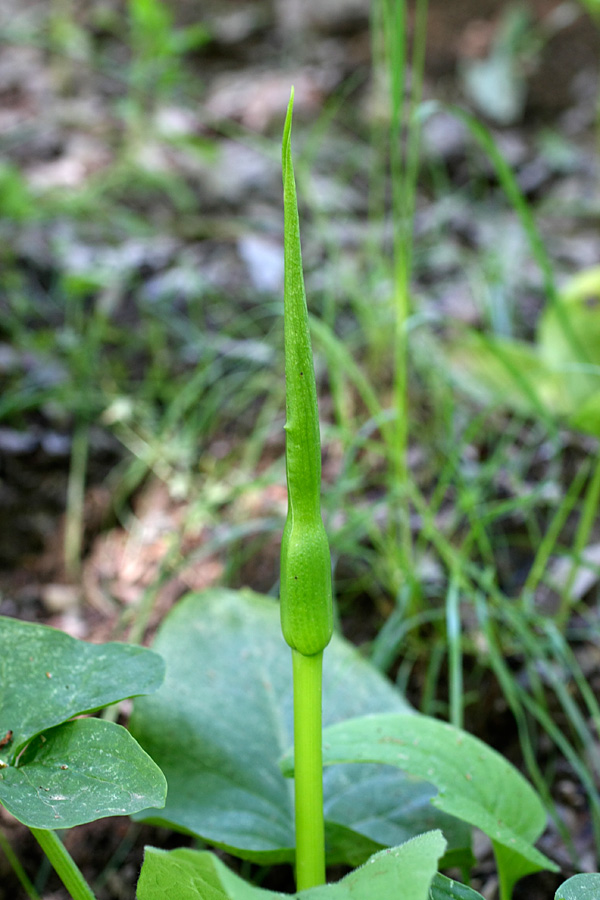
(586, 523)
(308, 779)
(505, 881)
(18, 868)
(75, 500)
(453, 628)
(63, 864)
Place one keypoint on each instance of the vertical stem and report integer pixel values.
(395, 25)
(404, 138)
(75, 499)
(586, 522)
(308, 781)
(453, 628)
(63, 864)
(505, 882)
(18, 868)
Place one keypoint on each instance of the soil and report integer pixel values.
(57, 126)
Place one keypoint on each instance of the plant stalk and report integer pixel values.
(18, 868)
(75, 500)
(308, 778)
(63, 864)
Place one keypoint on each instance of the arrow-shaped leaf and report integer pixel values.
(79, 772)
(48, 677)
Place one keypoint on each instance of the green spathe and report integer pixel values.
(306, 604)
(404, 872)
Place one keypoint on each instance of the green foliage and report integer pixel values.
(16, 201)
(157, 48)
(79, 772)
(224, 716)
(443, 888)
(558, 376)
(497, 85)
(49, 677)
(475, 783)
(202, 876)
(579, 887)
(593, 8)
(56, 773)
(219, 740)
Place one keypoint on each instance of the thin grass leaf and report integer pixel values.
(586, 522)
(548, 544)
(511, 692)
(455, 675)
(516, 198)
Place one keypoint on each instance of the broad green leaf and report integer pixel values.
(475, 783)
(580, 887)
(223, 719)
(587, 415)
(402, 872)
(593, 8)
(189, 874)
(387, 810)
(558, 376)
(443, 888)
(351, 847)
(78, 772)
(496, 84)
(506, 371)
(575, 356)
(48, 677)
(579, 377)
(583, 288)
(406, 870)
